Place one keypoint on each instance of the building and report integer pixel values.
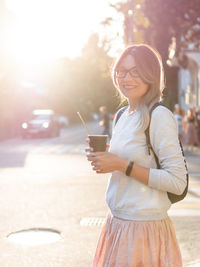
(189, 79)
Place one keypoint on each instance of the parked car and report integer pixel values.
(43, 122)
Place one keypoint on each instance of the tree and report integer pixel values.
(133, 20)
(178, 19)
(100, 89)
(173, 26)
(81, 84)
(164, 24)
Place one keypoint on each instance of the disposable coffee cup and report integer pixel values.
(98, 142)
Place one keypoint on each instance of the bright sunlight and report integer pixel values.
(48, 29)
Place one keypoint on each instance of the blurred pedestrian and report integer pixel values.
(104, 120)
(138, 231)
(190, 135)
(178, 114)
(198, 122)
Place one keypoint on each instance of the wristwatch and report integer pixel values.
(129, 168)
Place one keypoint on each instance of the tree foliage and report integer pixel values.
(82, 84)
(158, 23)
(172, 24)
(167, 19)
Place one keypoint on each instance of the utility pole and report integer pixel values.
(128, 23)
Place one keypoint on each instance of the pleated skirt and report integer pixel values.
(126, 243)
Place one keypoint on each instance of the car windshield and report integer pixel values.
(41, 117)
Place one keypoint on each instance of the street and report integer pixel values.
(49, 184)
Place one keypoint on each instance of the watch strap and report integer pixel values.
(129, 168)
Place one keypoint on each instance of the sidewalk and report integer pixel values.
(187, 226)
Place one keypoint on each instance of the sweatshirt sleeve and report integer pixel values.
(164, 140)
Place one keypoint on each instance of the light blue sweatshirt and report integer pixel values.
(126, 197)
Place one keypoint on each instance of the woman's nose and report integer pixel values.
(128, 76)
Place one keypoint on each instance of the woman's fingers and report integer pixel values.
(94, 165)
(89, 149)
(87, 141)
(94, 157)
(91, 158)
(107, 147)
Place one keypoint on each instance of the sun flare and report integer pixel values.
(45, 30)
(48, 29)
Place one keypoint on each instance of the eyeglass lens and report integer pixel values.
(122, 73)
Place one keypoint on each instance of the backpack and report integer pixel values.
(172, 197)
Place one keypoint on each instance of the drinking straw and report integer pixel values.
(83, 122)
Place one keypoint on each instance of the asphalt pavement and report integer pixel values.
(49, 184)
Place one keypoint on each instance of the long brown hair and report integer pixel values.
(149, 66)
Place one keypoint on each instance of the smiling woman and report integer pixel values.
(50, 29)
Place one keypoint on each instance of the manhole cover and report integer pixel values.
(34, 237)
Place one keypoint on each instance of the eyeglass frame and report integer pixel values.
(128, 71)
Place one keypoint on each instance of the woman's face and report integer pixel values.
(129, 81)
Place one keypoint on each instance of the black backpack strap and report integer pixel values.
(148, 142)
(172, 197)
(118, 114)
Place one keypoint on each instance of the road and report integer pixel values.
(45, 184)
(48, 183)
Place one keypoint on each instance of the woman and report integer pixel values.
(105, 120)
(191, 137)
(138, 231)
(178, 114)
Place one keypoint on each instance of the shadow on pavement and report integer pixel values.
(12, 159)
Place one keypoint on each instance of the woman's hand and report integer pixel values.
(104, 162)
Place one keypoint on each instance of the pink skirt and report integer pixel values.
(125, 243)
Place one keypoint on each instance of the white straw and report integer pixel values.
(83, 122)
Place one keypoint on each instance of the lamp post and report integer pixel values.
(128, 23)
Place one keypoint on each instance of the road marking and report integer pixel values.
(183, 212)
(194, 174)
(194, 264)
(64, 149)
(194, 190)
(191, 200)
(194, 182)
(92, 221)
(99, 221)
(54, 149)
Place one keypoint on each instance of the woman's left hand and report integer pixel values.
(104, 162)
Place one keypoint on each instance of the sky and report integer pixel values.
(49, 29)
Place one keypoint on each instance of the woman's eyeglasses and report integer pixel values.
(122, 73)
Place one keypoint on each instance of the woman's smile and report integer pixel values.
(130, 86)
